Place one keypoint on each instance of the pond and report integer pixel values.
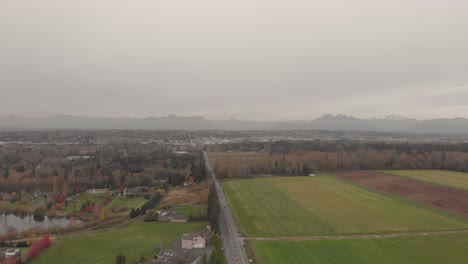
(23, 222)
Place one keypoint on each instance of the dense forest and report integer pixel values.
(65, 169)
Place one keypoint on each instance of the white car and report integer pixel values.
(12, 252)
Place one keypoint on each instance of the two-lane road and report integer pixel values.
(233, 249)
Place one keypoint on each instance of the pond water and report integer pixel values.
(23, 222)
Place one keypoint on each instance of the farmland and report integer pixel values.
(324, 205)
(434, 195)
(102, 247)
(415, 250)
(452, 179)
(187, 196)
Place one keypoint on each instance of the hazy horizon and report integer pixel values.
(394, 117)
(249, 60)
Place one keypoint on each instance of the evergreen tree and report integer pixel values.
(204, 259)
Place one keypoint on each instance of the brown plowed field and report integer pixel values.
(442, 197)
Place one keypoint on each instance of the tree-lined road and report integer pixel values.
(233, 249)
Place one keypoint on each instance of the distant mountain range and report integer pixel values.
(326, 122)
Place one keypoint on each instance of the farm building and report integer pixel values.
(136, 191)
(179, 219)
(97, 191)
(171, 216)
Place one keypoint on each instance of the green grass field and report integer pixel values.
(448, 178)
(102, 247)
(195, 210)
(325, 205)
(127, 202)
(447, 249)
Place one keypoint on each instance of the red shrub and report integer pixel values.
(39, 246)
(60, 199)
(89, 209)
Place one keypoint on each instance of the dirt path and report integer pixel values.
(438, 196)
(350, 237)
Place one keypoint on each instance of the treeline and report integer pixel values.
(217, 255)
(148, 205)
(291, 146)
(307, 162)
(151, 203)
(213, 209)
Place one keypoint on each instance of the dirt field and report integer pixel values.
(441, 197)
(193, 195)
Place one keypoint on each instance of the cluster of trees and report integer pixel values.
(46, 168)
(151, 215)
(147, 208)
(213, 209)
(306, 162)
(39, 213)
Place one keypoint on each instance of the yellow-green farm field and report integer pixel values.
(444, 249)
(325, 205)
(452, 179)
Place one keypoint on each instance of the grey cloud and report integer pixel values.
(259, 60)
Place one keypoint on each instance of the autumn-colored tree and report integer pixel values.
(190, 179)
(103, 215)
(31, 238)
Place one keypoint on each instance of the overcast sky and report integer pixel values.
(247, 59)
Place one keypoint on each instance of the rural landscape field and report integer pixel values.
(334, 218)
(452, 179)
(449, 199)
(234, 132)
(324, 205)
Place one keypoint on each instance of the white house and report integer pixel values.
(193, 241)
